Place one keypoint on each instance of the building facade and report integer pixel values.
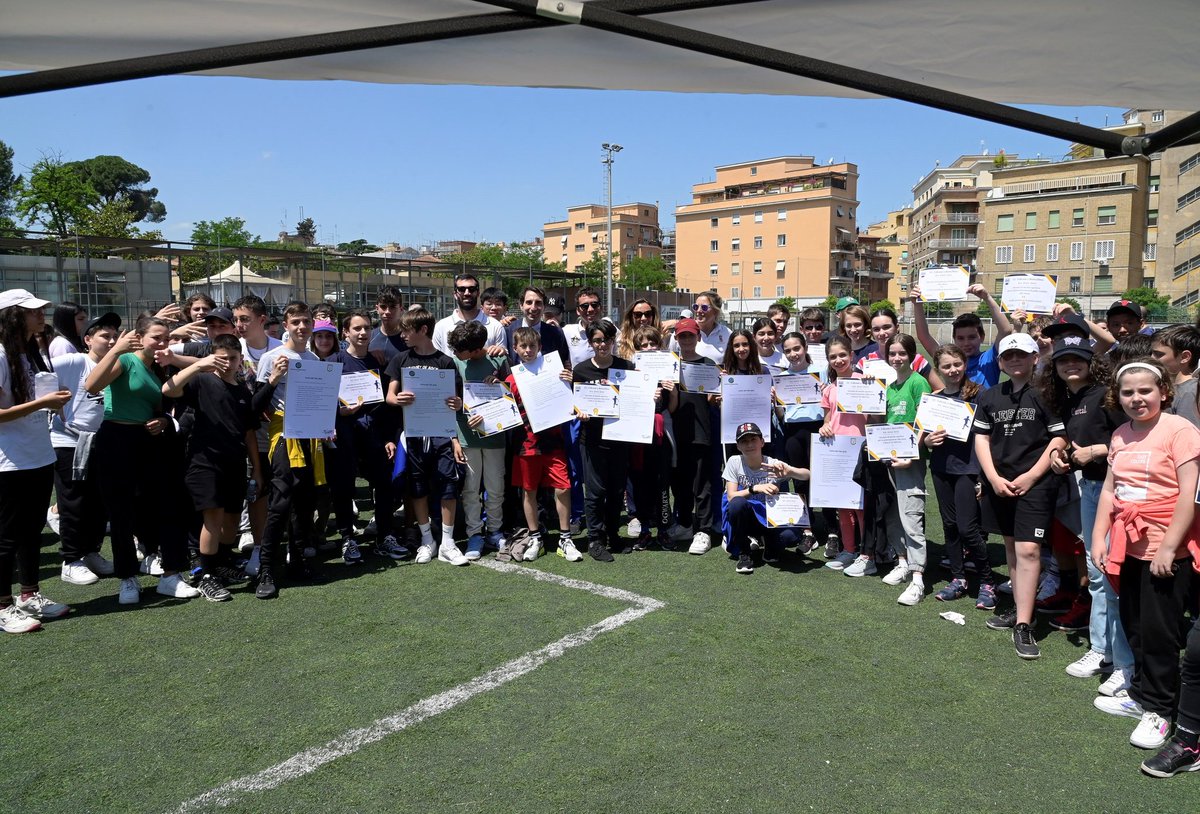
(892, 236)
(572, 241)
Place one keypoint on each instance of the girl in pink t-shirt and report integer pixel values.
(841, 365)
(1148, 506)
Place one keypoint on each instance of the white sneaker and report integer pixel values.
(98, 564)
(1151, 731)
(131, 591)
(568, 551)
(246, 542)
(175, 586)
(897, 575)
(252, 564)
(1005, 587)
(1089, 664)
(1115, 684)
(534, 549)
(913, 594)
(41, 607)
(1120, 704)
(14, 620)
(425, 553)
(635, 527)
(701, 543)
(861, 566)
(475, 547)
(77, 573)
(449, 552)
(52, 520)
(151, 565)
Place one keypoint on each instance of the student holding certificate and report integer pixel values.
(841, 355)
(694, 419)
(799, 422)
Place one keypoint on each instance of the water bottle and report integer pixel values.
(251, 490)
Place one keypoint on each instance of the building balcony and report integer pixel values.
(956, 217)
(841, 276)
(955, 243)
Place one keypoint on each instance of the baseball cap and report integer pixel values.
(1128, 306)
(106, 320)
(1072, 346)
(21, 297)
(1022, 342)
(321, 325)
(845, 302)
(686, 313)
(747, 429)
(1064, 323)
(223, 314)
(687, 325)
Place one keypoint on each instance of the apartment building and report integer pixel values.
(1082, 221)
(771, 228)
(573, 240)
(892, 236)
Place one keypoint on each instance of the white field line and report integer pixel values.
(350, 742)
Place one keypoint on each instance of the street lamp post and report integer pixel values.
(609, 151)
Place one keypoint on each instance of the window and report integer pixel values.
(578, 247)
(1004, 223)
(754, 170)
(781, 214)
(579, 227)
(712, 270)
(841, 213)
(1105, 249)
(758, 215)
(998, 285)
(1152, 217)
(1077, 217)
(1157, 116)
(758, 241)
(1150, 251)
(850, 212)
(1030, 220)
(1106, 216)
(1003, 254)
(1187, 265)
(758, 290)
(778, 291)
(736, 244)
(713, 246)
(1075, 286)
(1052, 219)
(1030, 252)
(1155, 183)
(1191, 231)
(736, 220)
(735, 269)
(1191, 197)
(758, 267)
(713, 222)
(781, 265)
(1148, 282)
(1189, 163)
(781, 240)
(1102, 284)
(735, 292)
(1077, 250)
(1051, 252)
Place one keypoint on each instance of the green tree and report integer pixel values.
(215, 235)
(10, 183)
(878, 305)
(1149, 298)
(787, 302)
(648, 273)
(115, 179)
(306, 230)
(594, 270)
(359, 246)
(1071, 301)
(55, 197)
(829, 303)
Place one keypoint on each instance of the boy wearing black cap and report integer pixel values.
(1125, 319)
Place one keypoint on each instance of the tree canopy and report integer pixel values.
(648, 273)
(115, 179)
(359, 246)
(101, 196)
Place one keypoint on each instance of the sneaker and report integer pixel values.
(52, 520)
(897, 575)
(807, 542)
(40, 607)
(665, 541)
(861, 567)
(839, 562)
(77, 573)
(987, 597)
(1174, 758)
(644, 541)
(497, 540)
(425, 553)
(913, 594)
(833, 545)
(1089, 664)
(98, 565)
(174, 586)
(1116, 683)
(1056, 603)
(955, 589)
(1078, 617)
(231, 574)
(389, 546)
(567, 550)
(1120, 704)
(599, 551)
(701, 543)
(211, 589)
(350, 553)
(246, 542)
(1002, 621)
(534, 549)
(1050, 584)
(1005, 587)
(745, 565)
(770, 555)
(266, 584)
(754, 543)
(635, 527)
(1151, 731)
(252, 564)
(372, 528)
(151, 565)
(14, 620)
(310, 551)
(474, 547)
(1023, 641)
(131, 592)
(450, 553)
(576, 527)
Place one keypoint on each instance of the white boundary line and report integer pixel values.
(350, 742)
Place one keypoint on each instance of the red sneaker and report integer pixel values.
(1078, 616)
(1057, 603)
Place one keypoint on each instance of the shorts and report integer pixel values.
(1027, 518)
(432, 472)
(531, 472)
(217, 485)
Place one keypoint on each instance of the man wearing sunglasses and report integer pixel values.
(466, 299)
(714, 334)
(587, 308)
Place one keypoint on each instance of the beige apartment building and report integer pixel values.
(585, 230)
(892, 236)
(776, 227)
(1083, 221)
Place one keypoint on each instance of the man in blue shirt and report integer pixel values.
(983, 367)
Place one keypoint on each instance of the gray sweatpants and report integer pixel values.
(908, 511)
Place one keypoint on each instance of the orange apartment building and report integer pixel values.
(585, 230)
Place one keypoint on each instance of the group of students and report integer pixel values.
(169, 435)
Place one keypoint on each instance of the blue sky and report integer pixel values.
(424, 163)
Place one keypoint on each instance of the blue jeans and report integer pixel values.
(1104, 628)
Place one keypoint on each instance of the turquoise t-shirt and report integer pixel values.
(135, 395)
(476, 370)
(902, 399)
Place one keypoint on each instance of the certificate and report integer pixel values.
(312, 398)
(498, 415)
(942, 413)
(745, 398)
(1032, 293)
(816, 356)
(547, 398)
(892, 442)
(597, 400)
(360, 388)
(786, 509)
(943, 283)
(832, 465)
(866, 396)
(879, 369)
(696, 378)
(636, 409)
(797, 388)
(663, 365)
(479, 393)
(428, 416)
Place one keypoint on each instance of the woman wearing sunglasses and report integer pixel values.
(641, 314)
(714, 335)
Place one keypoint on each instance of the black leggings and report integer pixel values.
(604, 474)
(291, 488)
(81, 513)
(960, 525)
(24, 499)
(693, 478)
(1152, 611)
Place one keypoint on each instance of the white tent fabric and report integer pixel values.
(1018, 52)
(237, 281)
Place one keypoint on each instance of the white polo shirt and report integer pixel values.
(441, 331)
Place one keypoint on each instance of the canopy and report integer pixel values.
(928, 51)
(237, 281)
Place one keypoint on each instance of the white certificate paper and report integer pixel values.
(866, 396)
(1032, 293)
(547, 398)
(428, 416)
(663, 365)
(941, 413)
(943, 283)
(479, 393)
(892, 442)
(597, 400)
(745, 398)
(833, 461)
(636, 408)
(786, 509)
(312, 398)
(363, 387)
(879, 369)
(700, 378)
(797, 388)
(817, 359)
(498, 415)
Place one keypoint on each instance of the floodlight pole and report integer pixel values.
(609, 150)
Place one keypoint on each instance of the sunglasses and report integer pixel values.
(600, 341)
(588, 306)
(644, 314)
(704, 309)
(466, 289)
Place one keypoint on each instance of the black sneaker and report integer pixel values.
(230, 575)
(664, 541)
(771, 555)
(807, 542)
(266, 584)
(745, 565)
(211, 589)
(1002, 621)
(599, 551)
(644, 541)
(1027, 647)
(833, 546)
(1172, 759)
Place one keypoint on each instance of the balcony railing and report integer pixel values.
(956, 217)
(955, 243)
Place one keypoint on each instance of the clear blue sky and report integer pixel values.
(423, 163)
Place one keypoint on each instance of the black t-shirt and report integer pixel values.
(1089, 422)
(410, 358)
(587, 372)
(1019, 427)
(955, 457)
(222, 415)
(692, 418)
